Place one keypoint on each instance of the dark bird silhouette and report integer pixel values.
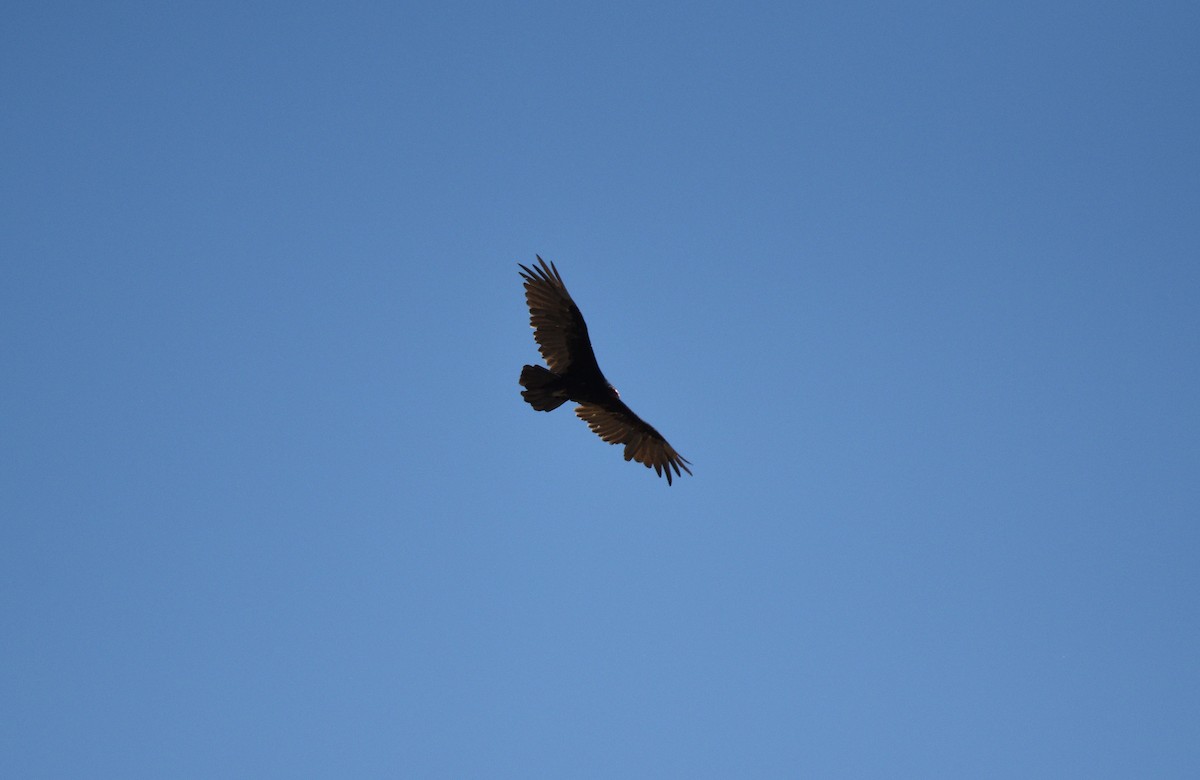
(574, 375)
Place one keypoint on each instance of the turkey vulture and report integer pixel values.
(573, 375)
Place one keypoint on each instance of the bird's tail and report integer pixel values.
(542, 389)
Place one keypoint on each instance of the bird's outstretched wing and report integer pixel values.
(617, 424)
(558, 326)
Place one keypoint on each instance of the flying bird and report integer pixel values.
(574, 375)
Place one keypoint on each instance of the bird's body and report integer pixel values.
(574, 375)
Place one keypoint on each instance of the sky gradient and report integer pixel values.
(914, 287)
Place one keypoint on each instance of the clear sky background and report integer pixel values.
(915, 287)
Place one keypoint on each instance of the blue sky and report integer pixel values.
(913, 286)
